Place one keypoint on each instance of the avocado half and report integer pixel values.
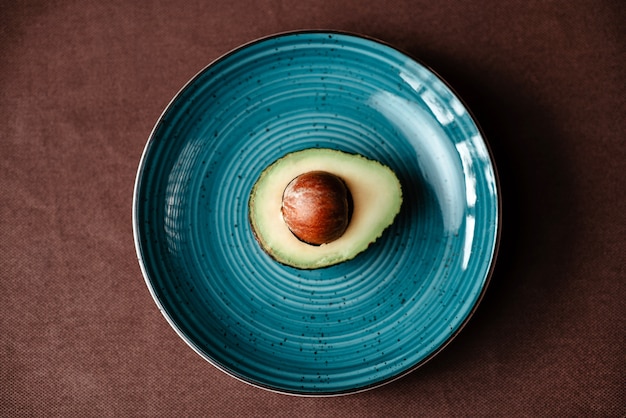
(376, 200)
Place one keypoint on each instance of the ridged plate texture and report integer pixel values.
(340, 329)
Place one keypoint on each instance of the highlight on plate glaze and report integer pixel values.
(351, 326)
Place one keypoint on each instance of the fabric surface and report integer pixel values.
(83, 83)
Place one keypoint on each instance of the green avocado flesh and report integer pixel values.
(376, 198)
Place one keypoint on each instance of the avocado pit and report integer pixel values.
(315, 207)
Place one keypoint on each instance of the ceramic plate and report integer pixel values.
(344, 328)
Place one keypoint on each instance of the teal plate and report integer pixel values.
(345, 328)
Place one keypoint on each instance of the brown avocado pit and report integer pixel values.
(316, 207)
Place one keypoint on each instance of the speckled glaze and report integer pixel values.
(340, 329)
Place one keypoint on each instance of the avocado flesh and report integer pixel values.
(376, 196)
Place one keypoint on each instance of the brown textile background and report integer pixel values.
(83, 82)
